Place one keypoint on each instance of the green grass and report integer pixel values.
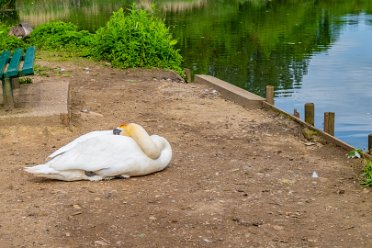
(43, 71)
(25, 80)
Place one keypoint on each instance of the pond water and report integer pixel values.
(311, 51)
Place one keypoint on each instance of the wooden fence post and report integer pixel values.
(270, 94)
(309, 113)
(369, 143)
(188, 75)
(329, 123)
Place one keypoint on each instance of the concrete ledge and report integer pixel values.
(39, 103)
(250, 100)
(231, 92)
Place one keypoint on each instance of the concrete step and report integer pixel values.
(39, 103)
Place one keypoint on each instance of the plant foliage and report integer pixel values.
(133, 39)
(7, 4)
(367, 173)
(9, 42)
(356, 153)
(60, 35)
(136, 39)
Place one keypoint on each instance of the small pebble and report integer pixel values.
(314, 175)
(100, 243)
(76, 206)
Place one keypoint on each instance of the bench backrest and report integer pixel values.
(28, 63)
(12, 70)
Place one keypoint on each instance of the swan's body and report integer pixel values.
(102, 155)
(79, 140)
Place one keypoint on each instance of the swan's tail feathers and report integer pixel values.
(44, 170)
(41, 170)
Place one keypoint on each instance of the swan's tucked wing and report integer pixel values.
(98, 153)
(79, 140)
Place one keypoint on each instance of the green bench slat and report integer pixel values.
(4, 57)
(12, 70)
(28, 64)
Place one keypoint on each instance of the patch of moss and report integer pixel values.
(25, 80)
(313, 135)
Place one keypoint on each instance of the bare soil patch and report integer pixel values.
(239, 178)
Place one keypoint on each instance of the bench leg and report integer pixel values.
(15, 83)
(8, 94)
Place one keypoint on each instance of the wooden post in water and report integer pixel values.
(188, 75)
(8, 96)
(329, 123)
(369, 143)
(270, 94)
(309, 113)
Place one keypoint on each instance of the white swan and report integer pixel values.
(103, 155)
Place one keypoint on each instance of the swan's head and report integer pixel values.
(150, 147)
(121, 130)
(127, 129)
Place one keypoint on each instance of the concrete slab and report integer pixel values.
(232, 92)
(39, 103)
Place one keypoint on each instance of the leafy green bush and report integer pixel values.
(136, 39)
(367, 173)
(9, 42)
(60, 35)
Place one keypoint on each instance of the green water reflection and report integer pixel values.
(254, 45)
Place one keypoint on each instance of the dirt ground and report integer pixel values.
(238, 178)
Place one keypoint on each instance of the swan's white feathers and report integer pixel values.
(107, 152)
(102, 155)
(80, 140)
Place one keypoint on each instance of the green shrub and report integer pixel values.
(9, 42)
(367, 173)
(136, 39)
(60, 35)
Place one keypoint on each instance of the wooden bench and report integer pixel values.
(10, 69)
